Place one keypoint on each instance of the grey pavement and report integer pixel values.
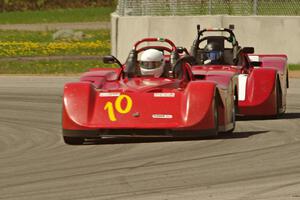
(259, 161)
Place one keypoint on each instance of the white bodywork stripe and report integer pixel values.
(254, 58)
(242, 86)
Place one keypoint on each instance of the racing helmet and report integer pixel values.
(213, 53)
(152, 63)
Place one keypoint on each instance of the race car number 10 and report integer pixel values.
(117, 106)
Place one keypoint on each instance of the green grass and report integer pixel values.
(278, 8)
(62, 67)
(56, 16)
(26, 43)
(50, 67)
(42, 40)
(46, 36)
(294, 67)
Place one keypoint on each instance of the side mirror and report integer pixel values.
(248, 50)
(111, 60)
(181, 50)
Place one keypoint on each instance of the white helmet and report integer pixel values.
(152, 63)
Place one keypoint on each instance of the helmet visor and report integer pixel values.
(213, 55)
(150, 64)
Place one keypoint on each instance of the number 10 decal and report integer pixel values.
(118, 107)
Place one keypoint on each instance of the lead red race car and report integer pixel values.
(155, 93)
(262, 78)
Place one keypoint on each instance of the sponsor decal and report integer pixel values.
(164, 94)
(109, 94)
(162, 116)
(254, 58)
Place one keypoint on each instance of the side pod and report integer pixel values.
(78, 100)
(199, 100)
(260, 91)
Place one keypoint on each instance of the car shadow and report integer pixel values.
(239, 135)
(132, 140)
(283, 116)
(290, 116)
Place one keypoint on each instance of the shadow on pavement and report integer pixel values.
(283, 116)
(290, 116)
(237, 135)
(132, 140)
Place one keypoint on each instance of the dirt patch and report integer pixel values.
(294, 74)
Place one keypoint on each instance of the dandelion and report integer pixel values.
(14, 48)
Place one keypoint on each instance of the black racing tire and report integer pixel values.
(216, 118)
(234, 112)
(73, 140)
(278, 100)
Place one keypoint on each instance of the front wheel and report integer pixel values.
(73, 140)
(233, 114)
(278, 101)
(216, 118)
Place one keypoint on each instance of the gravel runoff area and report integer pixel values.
(294, 74)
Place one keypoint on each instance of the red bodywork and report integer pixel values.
(117, 102)
(266, 86)
(262, 79)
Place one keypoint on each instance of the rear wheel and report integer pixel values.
(73, 140)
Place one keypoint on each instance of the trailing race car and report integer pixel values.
(263, 79)
(153, 94)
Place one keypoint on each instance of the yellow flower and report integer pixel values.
(15, 48)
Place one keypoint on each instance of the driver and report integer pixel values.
(152, 63)
(213, 54)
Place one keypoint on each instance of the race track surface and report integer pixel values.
(260, 160)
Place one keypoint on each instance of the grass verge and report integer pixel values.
(57, 16)
(63, 67)
(294, 67)
(26, 43)
(47, 36)
(50, 67)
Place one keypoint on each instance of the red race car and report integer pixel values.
(154, 93)
(263, 79)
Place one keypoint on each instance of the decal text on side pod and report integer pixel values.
(164, 94)
(109, 94)
(162, 116)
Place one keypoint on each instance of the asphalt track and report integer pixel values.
(260, 160)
